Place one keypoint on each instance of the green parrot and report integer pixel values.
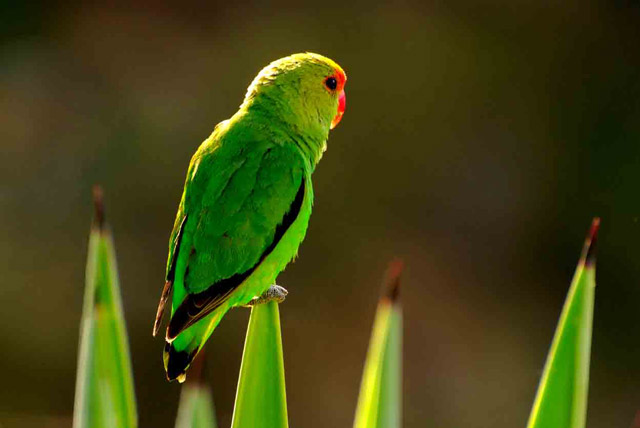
(247, 201)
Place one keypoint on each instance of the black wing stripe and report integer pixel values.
(168, 285)
(197, 306)
(171, 271)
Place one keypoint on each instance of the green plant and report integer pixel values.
(261, 398)
(561, 400)
(196, 408)
(380, 400)
(104, 384)
(104, 387)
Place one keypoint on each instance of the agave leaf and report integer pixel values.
(261, 398)
(380, 399)
(561, 400)
(196, 408)
(104, 385)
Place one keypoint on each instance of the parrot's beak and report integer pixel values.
(342, 103)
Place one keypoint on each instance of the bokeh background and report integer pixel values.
(479, 140)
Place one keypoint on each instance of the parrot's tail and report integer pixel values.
(179, 354)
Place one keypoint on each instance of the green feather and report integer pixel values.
(247, 201)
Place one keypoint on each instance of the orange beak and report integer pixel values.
(342, 103)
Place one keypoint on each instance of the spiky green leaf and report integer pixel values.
(380, 399)
(261, 399)
(196, 407)
(104, 384)
(561, 400)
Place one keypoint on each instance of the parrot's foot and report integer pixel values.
(275, 293)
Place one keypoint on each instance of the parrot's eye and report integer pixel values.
(331, 83)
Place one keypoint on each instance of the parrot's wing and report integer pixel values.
(235, 227)
(210, 145)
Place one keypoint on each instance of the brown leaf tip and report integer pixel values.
(392, 283)
(197, 369)
(589, 251)
(98, 207)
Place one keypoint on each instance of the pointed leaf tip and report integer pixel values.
(561, 399)
(104, 383)
(589, 250)
(98, 207)
(392, 283)
(196, 370)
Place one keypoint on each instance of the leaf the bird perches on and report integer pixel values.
(261, 398)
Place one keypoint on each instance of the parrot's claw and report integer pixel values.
(275, 293)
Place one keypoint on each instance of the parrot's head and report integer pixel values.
(304, 91)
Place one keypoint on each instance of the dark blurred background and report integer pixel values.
(479, 140)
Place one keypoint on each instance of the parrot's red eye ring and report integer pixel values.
(331, 83)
